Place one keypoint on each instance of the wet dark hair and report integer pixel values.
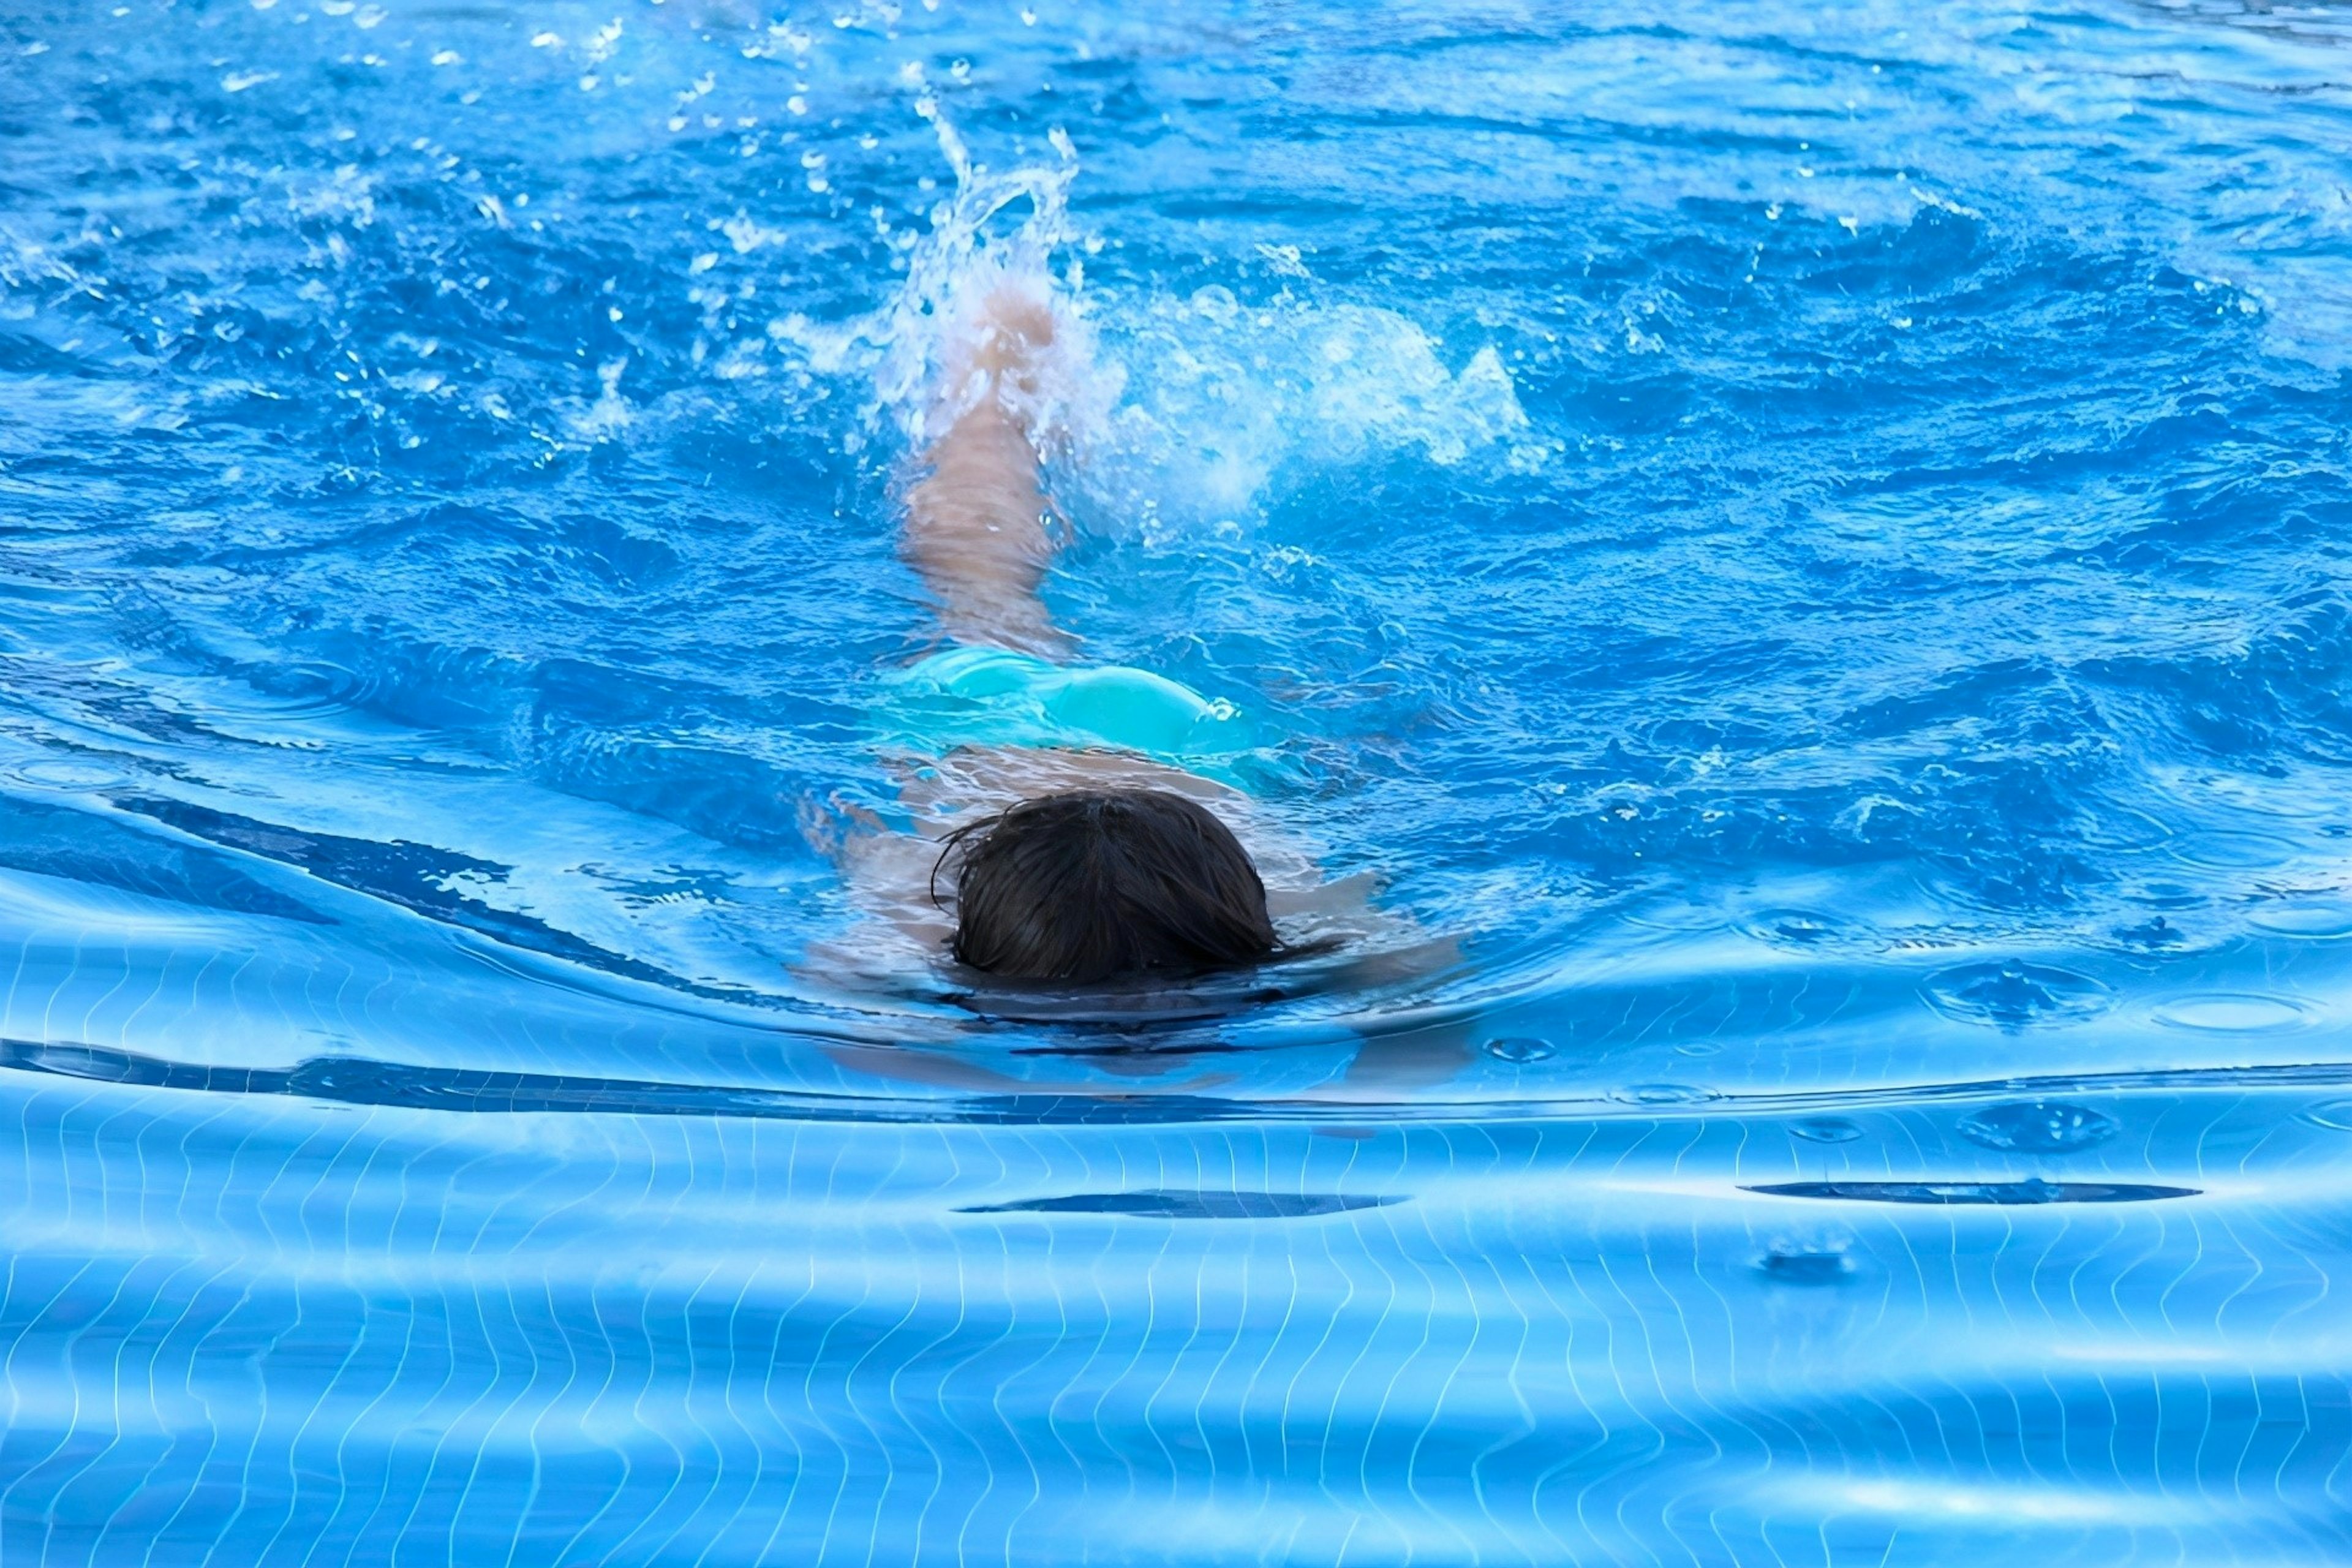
(1093, 885)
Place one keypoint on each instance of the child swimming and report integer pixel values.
(1071, 817)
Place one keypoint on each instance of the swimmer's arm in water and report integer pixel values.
(975, 528)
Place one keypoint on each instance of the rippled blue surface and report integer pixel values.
(1814, 539)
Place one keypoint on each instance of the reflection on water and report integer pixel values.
(1805, 543)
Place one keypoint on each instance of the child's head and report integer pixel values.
(1093, 885)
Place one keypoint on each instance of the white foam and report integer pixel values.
(1232, 401)
(1204, 408)
(969, 255)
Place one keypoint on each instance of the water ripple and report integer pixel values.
(2014, 995)
(1166, 1203)
(2039, 1127)
(2033, 1190)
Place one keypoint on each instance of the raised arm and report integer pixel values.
(976, 522)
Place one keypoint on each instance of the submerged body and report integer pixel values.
(1138, 854)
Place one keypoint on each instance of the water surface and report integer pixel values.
(1813, 542)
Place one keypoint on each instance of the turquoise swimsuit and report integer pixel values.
(994, 697)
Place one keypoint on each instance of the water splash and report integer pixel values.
(1662, 534)
(907, 347)
(1223, 401)
(1235, 404)
(2014, 994)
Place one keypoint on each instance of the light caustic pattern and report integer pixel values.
(1811, 545)
(692, 1339)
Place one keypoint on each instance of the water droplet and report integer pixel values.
(2039, 1127)
(1825, 1129)
(1518, 1048)
(2232, 1014)
(2012, 996)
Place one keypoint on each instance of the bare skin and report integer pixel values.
(977, 531)
(976, 522)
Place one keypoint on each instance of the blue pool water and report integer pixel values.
(1813, 541)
